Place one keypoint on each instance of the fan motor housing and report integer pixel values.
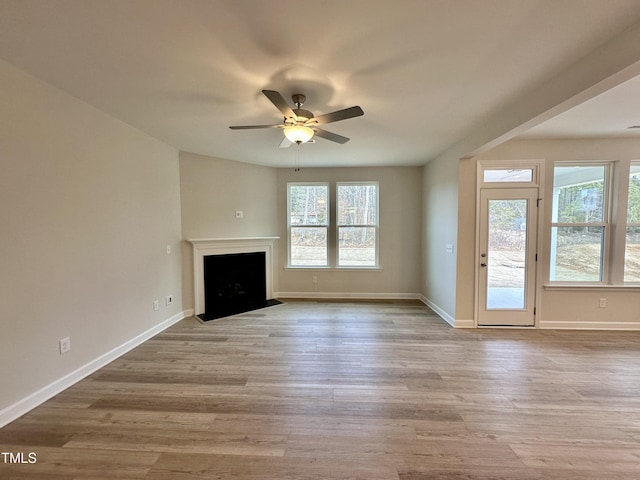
(298, 99)
(301, 112)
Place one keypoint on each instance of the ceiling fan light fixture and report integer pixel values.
(298, 133)
(300, 125)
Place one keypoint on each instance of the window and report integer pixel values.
(308, 214)
(511, 175)
(357, 212)
(349, 232)
(632, 244)
(579, 228)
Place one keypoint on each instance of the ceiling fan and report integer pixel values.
(300, 125)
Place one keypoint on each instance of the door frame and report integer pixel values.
(535, 182)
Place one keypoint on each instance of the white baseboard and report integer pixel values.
(445, 316)
(566, 325)
(12, 412)
(348, 295)
(465, 323)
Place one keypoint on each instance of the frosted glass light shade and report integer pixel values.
(298, 133)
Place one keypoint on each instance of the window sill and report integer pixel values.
(334, 269)
(575, 287)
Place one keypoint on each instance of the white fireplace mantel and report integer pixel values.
(203, 247)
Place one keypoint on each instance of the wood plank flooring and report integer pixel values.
(332, 390)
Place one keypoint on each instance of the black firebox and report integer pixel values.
(234, 283)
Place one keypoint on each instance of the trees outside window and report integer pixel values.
(355, 225)
(632, 243)
(308, 217)
(357, 212)
(580, 223)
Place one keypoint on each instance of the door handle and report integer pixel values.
(483, 264)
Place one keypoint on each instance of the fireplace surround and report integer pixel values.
(229, 246)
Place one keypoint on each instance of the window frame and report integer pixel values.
(606, 262)
(375, 226)
(326, 226)
(627, 224)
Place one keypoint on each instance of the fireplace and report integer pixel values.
(232, 275)
(233, 283)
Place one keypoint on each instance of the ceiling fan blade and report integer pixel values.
(334, 137)
(337, 116)
(285, 143)
(280, 103)
(252, 127)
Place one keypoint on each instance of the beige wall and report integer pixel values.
(87, 208)
(465, 280)
(566, 307)
(212, 190)
(439, 230)
(399, 254)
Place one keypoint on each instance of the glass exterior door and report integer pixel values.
(506, 273)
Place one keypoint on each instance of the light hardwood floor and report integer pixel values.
(330, 390)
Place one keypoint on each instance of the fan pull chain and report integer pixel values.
(296, 161)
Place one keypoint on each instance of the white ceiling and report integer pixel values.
(608, 115)
(426, 72)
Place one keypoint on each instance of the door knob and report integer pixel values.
(483, 264)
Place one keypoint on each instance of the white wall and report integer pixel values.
(87, 208)
(439, 230)
(399, 254)
(565, 307)
(212, 189)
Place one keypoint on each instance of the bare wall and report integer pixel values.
(439, 235)
(212, 190)
(399, 254)
(88, 206)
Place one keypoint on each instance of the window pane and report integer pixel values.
(578, 194)
(632, 255)
(518, 175)
(507, 262)
(632, 247)
(308, 204)
(576, 254)
(633, 209)
(356, 246)
(308, 246)
(357, 205)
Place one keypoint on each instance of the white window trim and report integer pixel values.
(607, 268)
(376, 228)
(534, 165)
(327, 226)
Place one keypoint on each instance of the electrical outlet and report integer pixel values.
(314, 279)
(168, 249)
(603, 303)
(169, 300)
(239, 214)
(65, 345)
(156, 305)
